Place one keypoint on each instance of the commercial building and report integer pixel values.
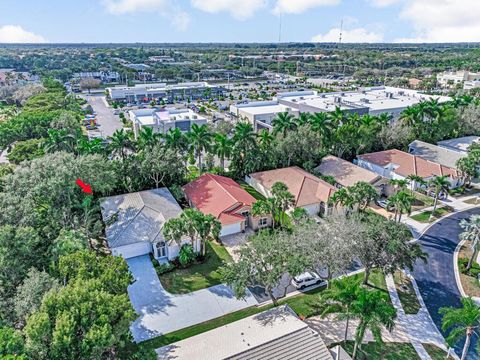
(144, 93)
(450, 79)
(162, 120)
(104, 76)
(373, 101)
(273, 334)
(261, 114)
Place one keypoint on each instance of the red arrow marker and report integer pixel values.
(86, 188)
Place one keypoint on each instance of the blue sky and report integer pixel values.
(238, 20)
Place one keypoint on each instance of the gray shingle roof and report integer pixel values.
(435, 153)
(275, 334)
(138, 217)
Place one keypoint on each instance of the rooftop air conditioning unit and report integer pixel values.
(337, 100)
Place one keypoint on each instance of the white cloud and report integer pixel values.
(239, 9)
(358, 35)
(300, 6)
(383, 3)
(439, 20)
(165, 8)
(16, 34)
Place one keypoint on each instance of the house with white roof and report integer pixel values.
(460, 145)
(134, 224)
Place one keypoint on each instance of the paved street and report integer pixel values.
(107, 121)
(436, 280)
(161, 312)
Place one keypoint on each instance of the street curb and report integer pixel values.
(457, 273)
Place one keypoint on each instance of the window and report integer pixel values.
(263, 222)
(246, 213)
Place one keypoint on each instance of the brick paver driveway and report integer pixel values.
(161, 312)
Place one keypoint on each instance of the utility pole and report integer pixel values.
(279, 41)
(341, 33)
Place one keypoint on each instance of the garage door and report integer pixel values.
(132, 250)
(231, 229)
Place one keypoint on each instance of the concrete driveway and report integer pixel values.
(436, 279)
(161, 312)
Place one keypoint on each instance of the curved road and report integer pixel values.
(436, 279)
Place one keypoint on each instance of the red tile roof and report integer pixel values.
(219, 196)
(305, 187)
(408, 164)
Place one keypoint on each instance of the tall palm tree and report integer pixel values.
(401, 203)
(339, 297)
(147, 138)
(302, 119)
(59, 140)
(462, 322)
(373, 310)
(120, 142)
(222, 148)
(439, 185)
(337, 116)
(398, 184)
(244, 134)
(411, 116)
(471, 232)
(265, 207)
(175, 139)
(200, 140)
(321, 123)
(415, 181)
(342, 197)
(283, 123)
(363, 194)
(265, 138)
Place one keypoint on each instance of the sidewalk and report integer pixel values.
(419, 328)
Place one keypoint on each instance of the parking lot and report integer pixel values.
(107, 121)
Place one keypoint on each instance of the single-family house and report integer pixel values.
(310, 192)
(273, 334)
(461, 144)
(435, 153)
(225, 199)
(396, 164)
(134, 223)
(348, 174)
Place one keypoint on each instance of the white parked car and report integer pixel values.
(307, 279)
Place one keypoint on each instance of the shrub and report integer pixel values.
(186, 255)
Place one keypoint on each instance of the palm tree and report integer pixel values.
(339, 298)
(374, 310)
(415, 181)
(462, 322)
(303, 119)
(439, 185)
(265, 138)
(59, 140)
(342, 197)
(401, 203)
(411, 116)
(175, 139)
(200, 140)
(398, 184)
(265, 207)
(337, 116)
(363, 194)
(222, 148)
(87, 147)
(471, 232)
(244, 134)
(321, 123)
(147, 138)
(120, 142)
(283, 123)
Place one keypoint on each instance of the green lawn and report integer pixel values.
(385, 351)
(435, 352)
(424, 217)
(406, 293)
(251, 190)
(197, 276)
(421, 201)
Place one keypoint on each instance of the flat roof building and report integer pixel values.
(450, 79)
(162, 120)
(435, 153)
(373, 101)
(461, 144)
(143, 93)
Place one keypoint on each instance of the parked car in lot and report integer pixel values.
(307, 279)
